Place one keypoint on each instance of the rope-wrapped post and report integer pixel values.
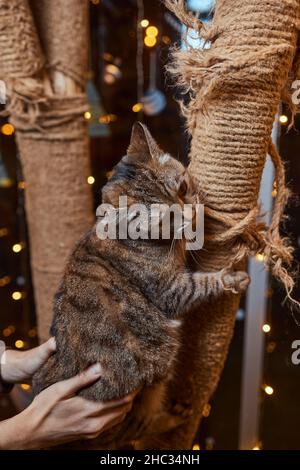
(46, 102)
(235, 88)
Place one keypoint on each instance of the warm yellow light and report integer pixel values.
(260, 257)
(32, 333)
(7, 129)
(21, 185)
(152, 31)
(87, 115)
(137, 107)
(3, 232)
(269, 390)
(144, 23)
(6, 182)
(266, 328)
(25, 386)
(256, 448)
(90, 180)
(271, 346)
(4, 281)
(9, 330)
(6, 332)
(283, 119)
(107, 118)
(19, 344)
(150, 41)
(16, 295)
(95, 2)
(196, 447)
(206, 410)
(17, 247)
(112, 69)
(166, 39)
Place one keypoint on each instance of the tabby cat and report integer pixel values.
(121, 302)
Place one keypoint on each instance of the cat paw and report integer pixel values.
(234, 281)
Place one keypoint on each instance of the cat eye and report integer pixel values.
(182, 189)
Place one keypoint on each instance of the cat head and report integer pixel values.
(148, 175)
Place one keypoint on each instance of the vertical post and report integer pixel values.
(256, 303)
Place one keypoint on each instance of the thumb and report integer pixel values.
(69, 387)
(46, 349)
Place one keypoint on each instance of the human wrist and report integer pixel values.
(16, 433)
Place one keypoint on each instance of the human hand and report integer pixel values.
(57, 415)
(19, 366)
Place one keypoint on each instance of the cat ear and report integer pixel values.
(142, 146)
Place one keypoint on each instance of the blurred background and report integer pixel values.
(127, 82)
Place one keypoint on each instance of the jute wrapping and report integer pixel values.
(235, 89)
(46, 101)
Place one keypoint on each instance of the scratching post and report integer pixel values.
(235, 89)
(44, 63)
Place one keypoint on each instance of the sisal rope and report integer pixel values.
(44, 66)
(234, 90)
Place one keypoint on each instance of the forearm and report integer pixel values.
(14, 433)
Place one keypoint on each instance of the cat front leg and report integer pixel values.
(185, 289)
(214, 284)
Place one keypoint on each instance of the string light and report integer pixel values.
(166, 40)
(6, 182)
(260, 257)
(19, 344)
(107, 118)
(21, 185)
(87, 115)
(137, 107)
(17, 247)
(266, 328)
(7, 129)
(32, 333)
(9, 330)
(152, 31)
(150, 41)
(95, 2)
(268, 389)
(271, 346)
(3, 232)
(196, 447)
(209, 443)
(4, 281)
(256, 447)
(16, 295)
(112, 73)
(283, 119)
(90, 180)
(25, 386)
(107, 56)
(144, 23)
(206, 410)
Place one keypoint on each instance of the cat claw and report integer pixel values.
(234, 281)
